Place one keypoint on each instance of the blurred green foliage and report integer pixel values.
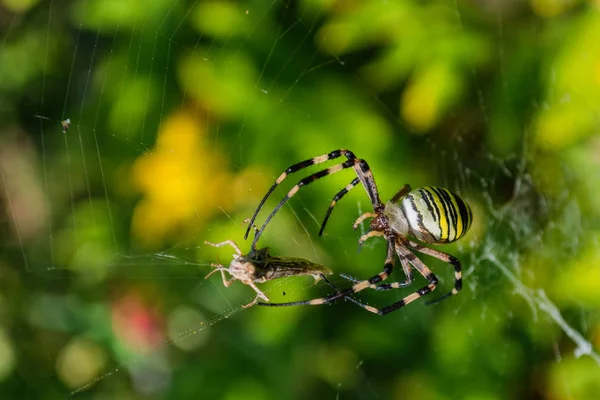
(182, 115)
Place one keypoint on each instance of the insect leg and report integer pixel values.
(227, 242)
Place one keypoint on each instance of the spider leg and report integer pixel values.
(368, 235)
(364, 216)
(422, 268)
(389, 286)
(446, 258)
(362, 285)
(336, 198)
(253, 226)
(295, 168)
(323, 277)
(401, 193)
(395, 285)
(365, 175)
(247, 221)
(361, 168)
(383, 286)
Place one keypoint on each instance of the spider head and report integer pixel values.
(380, 222)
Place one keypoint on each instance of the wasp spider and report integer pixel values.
(431, 215)
(260, 266)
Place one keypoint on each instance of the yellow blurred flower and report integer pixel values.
(577, 284)
(182, 181)
(563, 125)
(552, 8)
(570, 109)
(572, 378)
(429, 94)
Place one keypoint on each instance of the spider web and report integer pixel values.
(171, 118)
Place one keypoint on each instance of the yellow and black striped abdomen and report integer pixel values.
(436, 215)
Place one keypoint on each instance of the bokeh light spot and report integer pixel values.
(79, 362)
(7, 355)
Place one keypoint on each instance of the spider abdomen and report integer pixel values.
(435, 215)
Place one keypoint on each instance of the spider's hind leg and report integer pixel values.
(447, 258)
(383, 286)
(422, 268)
